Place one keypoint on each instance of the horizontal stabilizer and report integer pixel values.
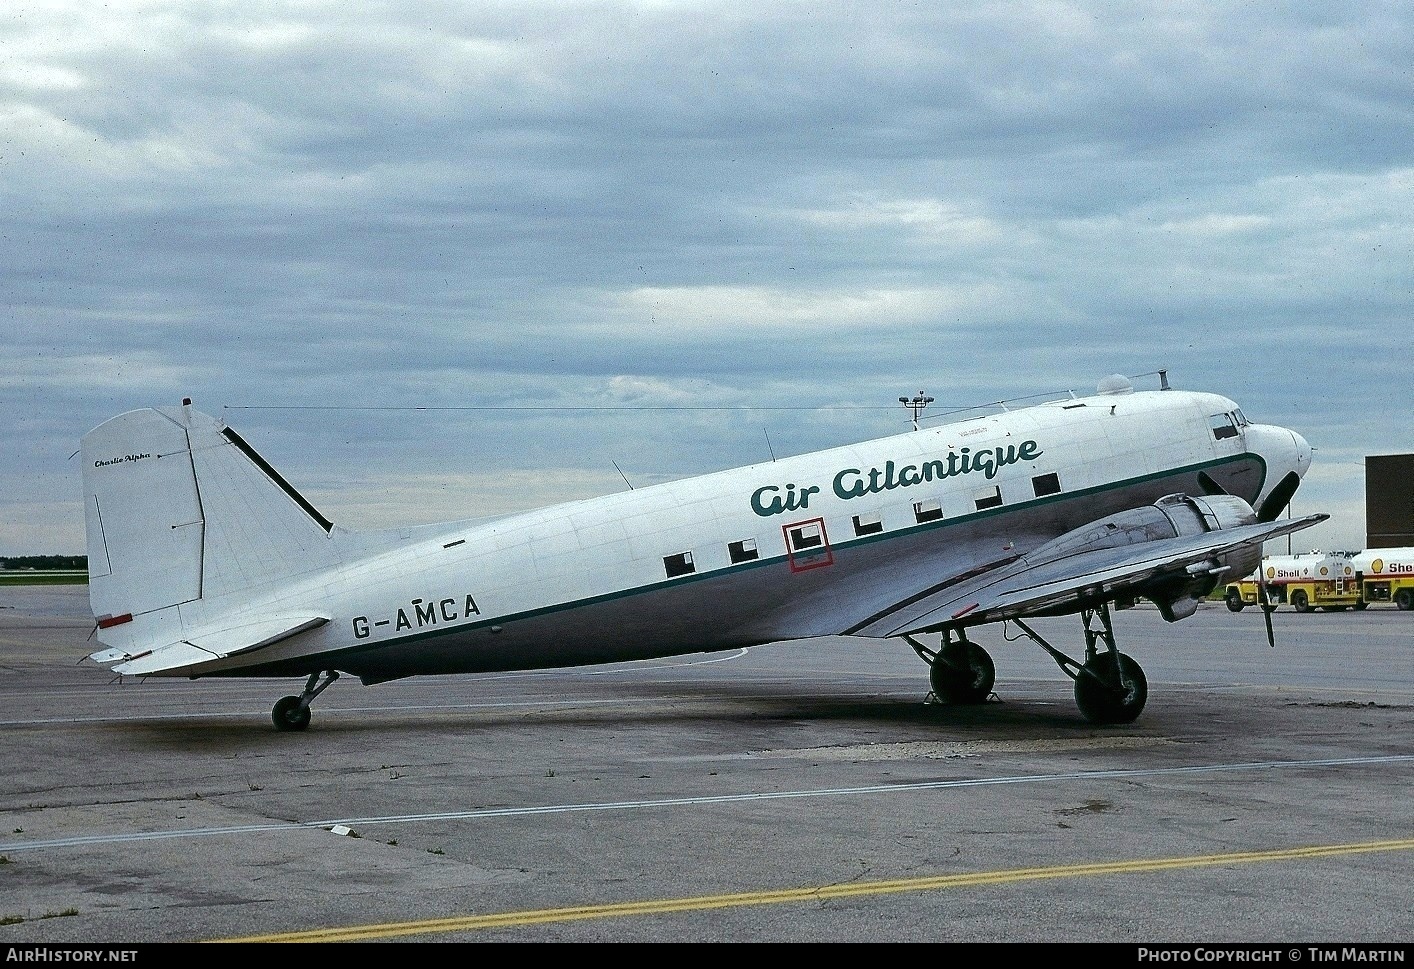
(205, 647)
(105, 656)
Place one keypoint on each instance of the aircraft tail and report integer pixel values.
(180, 510)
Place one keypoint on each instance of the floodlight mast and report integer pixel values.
(916, 404)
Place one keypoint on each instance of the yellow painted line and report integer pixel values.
(470, 923)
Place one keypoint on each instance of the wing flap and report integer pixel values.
(1026, 587)
(205, 647)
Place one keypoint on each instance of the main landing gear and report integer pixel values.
(292, 712)
(1110, 687)
(959, 671)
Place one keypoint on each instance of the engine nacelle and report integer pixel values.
(1172, 516)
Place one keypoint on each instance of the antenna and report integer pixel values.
(768, 444)
(621, 473)
(916, 404)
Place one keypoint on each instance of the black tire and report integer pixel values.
(1404, 599)
(953, 684)
(289, 714)
(1101, 696)
(1234, 601)
(1299, 602)
(1361, 605)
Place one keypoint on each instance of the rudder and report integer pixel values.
(142, 515)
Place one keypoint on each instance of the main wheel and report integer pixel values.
(1299, 602)
(1234, 600)
(954, 683)
(1102, 696)
(289, 714)
(1404, 599)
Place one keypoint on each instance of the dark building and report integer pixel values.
(1389, 501)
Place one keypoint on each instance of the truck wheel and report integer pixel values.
(1234, 600)
(1404, 599)
(1299, 602)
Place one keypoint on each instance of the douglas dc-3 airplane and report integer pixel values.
(205, 562)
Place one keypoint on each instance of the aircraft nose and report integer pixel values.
(1287, 456)
(1281, 447)
(1303, 453)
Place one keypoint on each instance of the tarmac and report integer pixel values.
(795, 792)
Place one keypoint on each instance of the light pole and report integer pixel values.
(916, 404)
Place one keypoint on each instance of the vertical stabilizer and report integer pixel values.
(180, 509)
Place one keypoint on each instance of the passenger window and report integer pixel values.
(988, 498)
(868, 524)
(927, 511)
(679, 564)
(743, 551)
(807, 546)
(1046, 484)
(806, 536)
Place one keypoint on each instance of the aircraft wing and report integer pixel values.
(1027, 587)
(207, 646)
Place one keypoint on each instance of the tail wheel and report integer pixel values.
(1299, 602)
(290, 714)
(1103, 697)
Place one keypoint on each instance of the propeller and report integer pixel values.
(1275, 503)
(1209, 486)
(1266, 608)
(1279, 497)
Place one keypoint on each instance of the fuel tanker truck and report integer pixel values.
(1306, 580)
(1385, 575)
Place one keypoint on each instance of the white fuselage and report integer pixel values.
(804, 546)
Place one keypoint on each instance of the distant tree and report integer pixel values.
(44, 562)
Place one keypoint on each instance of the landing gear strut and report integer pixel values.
(292, 712)
(959, 671)
(1109, 686)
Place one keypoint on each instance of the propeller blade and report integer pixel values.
(1266, 609)
(1209, 486)
(1279, 498)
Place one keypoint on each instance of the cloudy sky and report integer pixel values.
(448, 259)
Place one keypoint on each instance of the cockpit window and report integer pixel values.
(1223, 426)
(1240, 417)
